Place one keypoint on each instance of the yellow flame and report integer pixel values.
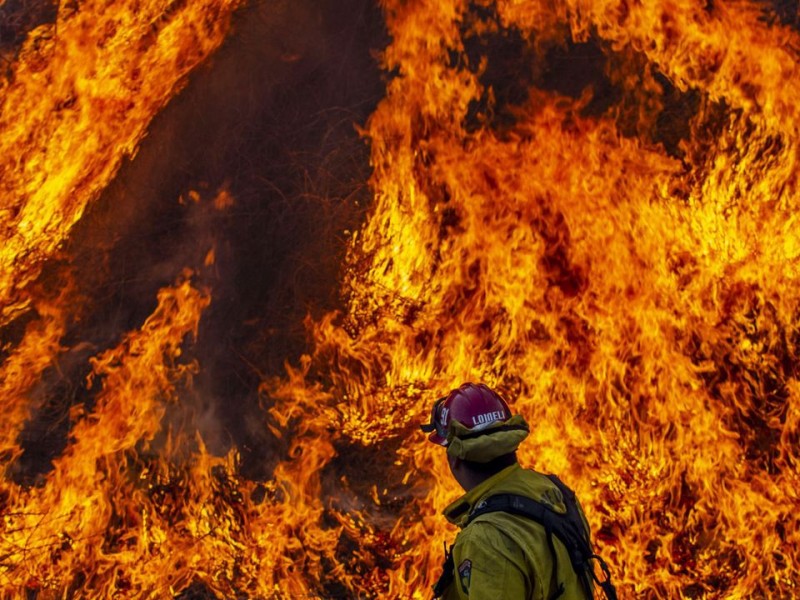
(638, 304)
(639, 311)
(54, 532)
(82, 94)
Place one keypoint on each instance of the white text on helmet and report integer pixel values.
(488, 418)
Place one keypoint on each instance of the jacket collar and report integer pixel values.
(458, 511)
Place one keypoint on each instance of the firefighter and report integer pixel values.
(503, 552)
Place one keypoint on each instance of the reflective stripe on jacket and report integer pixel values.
(500, 556)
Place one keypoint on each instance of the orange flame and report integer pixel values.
(82, 94)
(53, 533)
(640, 310)
(633, 291)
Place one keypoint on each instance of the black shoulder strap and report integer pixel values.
(569, 528)
(448, 574)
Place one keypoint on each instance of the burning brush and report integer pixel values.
(590, 206)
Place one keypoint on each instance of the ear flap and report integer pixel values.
(499, 438)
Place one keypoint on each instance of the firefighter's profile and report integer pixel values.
(523, 534)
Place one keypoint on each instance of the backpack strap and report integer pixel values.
(574, 515)
(569, 528)
(448, 573)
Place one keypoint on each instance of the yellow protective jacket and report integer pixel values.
(501, 556)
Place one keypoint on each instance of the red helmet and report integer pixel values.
(474, 406)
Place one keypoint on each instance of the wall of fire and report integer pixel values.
(250, 431)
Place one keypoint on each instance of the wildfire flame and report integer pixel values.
(622, 267)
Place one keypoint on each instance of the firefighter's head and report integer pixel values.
(476, 426)
(475, 407)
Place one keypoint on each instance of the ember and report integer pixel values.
(590, 206)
